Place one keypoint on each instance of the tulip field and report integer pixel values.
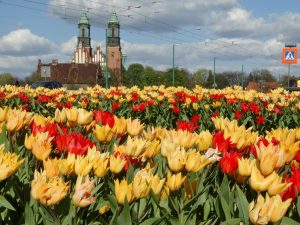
(152, 156)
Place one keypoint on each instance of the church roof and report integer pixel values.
(83, 19)
(113, 18)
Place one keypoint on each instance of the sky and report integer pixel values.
(237, 33)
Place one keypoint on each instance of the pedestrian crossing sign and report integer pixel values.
(289, 55)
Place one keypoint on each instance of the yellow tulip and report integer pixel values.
(103, 133)
(175, 181)
(72, 114)
(167, 146)
(120, 125)
(268, 209)
(116, 164)
(104, 209)
(176, 159)
(134, 127)
(152, 149)
(245, 166)
(182, 137)
(51, 167)
(48, 192)
(195, 161)
(123, 190)
(3, 113)
(260, 183)
(28, 141)
(41, 120)
(83, 190)
(60, 115)
(84, 117)
(101, 166)
(165, 193)
(204, 140)
(67, 166)
(83, 165)
(15, 120)
(135, 146)
(41, 146)
(280, 208)
(9, 163)
(267, 158)
(149, 134)
(141, 183)
(277, 186)
(157, 184)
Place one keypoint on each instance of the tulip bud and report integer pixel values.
(122, 191)
(175, 181)
(176, 159)
(84, 117)
(245, 166)
(83, 189)
(141, 184)
(195, 161)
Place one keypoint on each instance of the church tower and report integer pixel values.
(114, 54)
(83, 52)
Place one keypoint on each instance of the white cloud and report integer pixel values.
(23, 42)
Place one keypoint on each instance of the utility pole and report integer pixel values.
(289, 71)
(173, 78)
(106, 64)
(214, 84)
(242, 76)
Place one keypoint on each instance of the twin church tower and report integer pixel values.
(84, 52)
(88, 67)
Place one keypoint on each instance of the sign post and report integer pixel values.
(289, 56)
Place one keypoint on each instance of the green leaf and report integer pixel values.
(29, 217)
(125, 218)
(5, 203)
(235, 221)
(298, 205)
(243, 205)
(288, 221)
(151, 221)
(206, 210)
(225, 207)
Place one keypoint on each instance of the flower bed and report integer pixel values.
(152, 156)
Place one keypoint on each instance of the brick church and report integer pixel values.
(88, 67)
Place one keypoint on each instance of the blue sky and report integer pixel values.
(236, 32)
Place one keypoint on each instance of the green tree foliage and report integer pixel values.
(181, 77)
(258, 75)
(200, 77)
(7, 78)
(33, 78)
(134, 75)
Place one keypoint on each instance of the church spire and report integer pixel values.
(83, 39)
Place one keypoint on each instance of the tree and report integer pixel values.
(181, 77)
(33, 78)
(7, 78)
(200, 77)
(258, 75)
(134, 75)
(151, 77)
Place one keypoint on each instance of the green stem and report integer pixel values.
(138, 211)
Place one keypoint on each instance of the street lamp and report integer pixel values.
(173, 77)
(214, 84)
(106, 64)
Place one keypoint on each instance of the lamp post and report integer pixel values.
(106, 64)
(173, 77)
(214, 84)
